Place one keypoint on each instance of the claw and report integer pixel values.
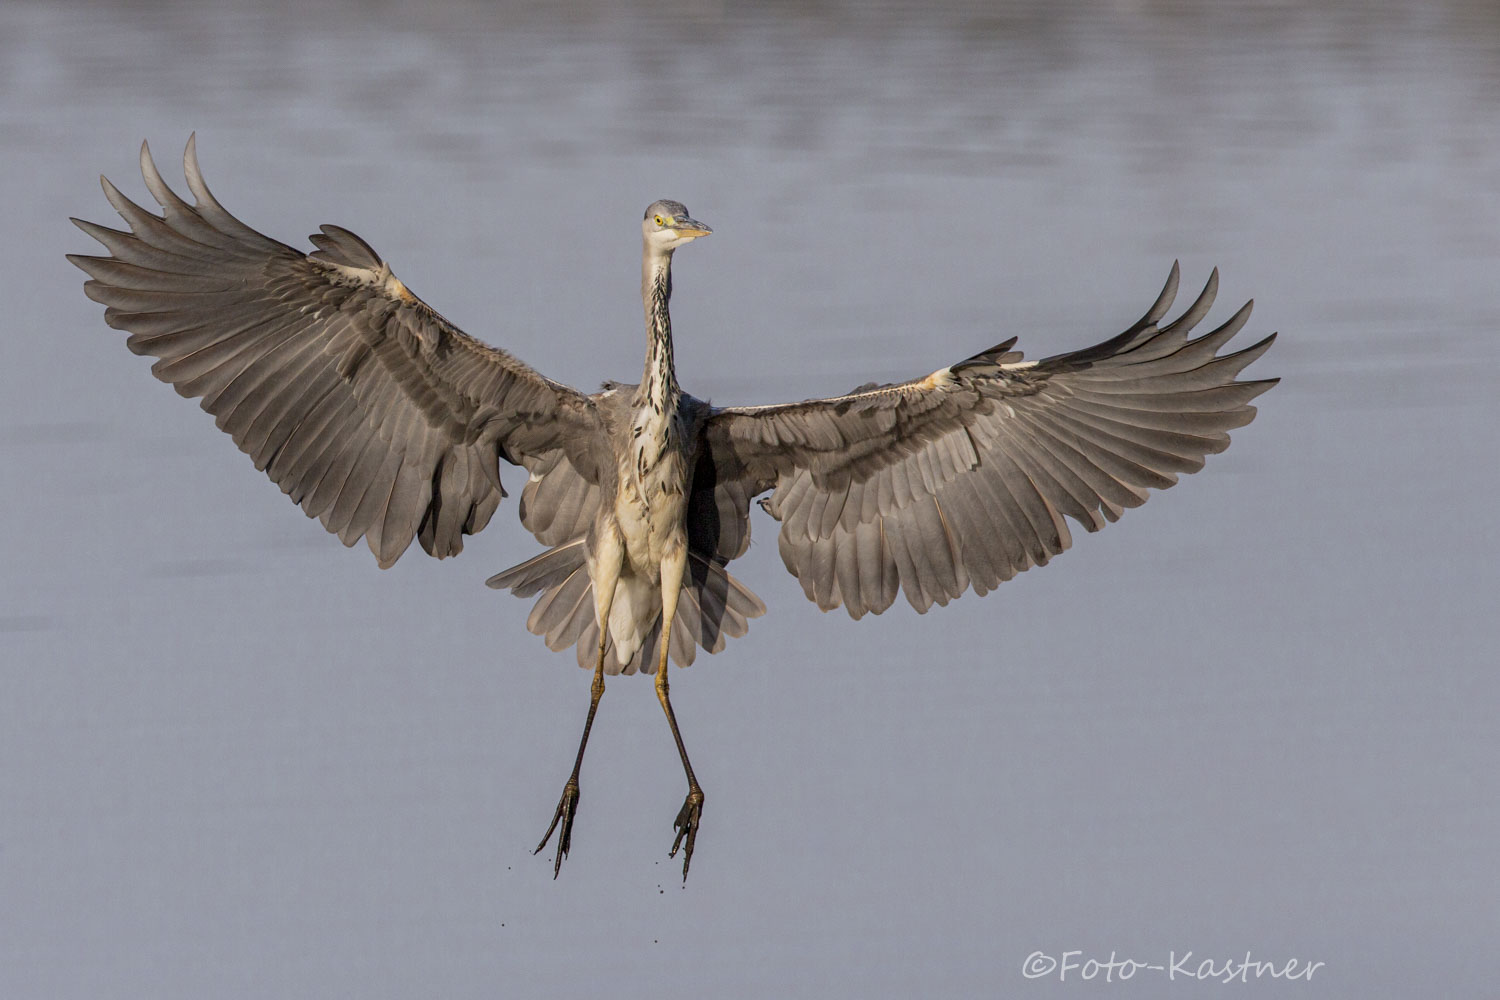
(686, 825)
(567, 807)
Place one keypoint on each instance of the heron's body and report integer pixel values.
(642, 537)
(387, 422)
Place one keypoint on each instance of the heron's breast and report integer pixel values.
(652, 506)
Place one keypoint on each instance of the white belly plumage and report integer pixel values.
(644, 529)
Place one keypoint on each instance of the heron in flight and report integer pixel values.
(387, 422)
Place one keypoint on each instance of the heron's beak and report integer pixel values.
(691, 228)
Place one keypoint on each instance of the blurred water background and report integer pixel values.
(1257, 715)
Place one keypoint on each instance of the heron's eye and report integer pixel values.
(660, 221)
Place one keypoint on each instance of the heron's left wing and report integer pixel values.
(962, 478)
(367, 408)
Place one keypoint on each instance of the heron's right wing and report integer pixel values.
(963, 478)
(367, 408)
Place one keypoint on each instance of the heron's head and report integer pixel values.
(668, 225)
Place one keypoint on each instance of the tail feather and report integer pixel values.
(541, 572)
(712, 606)
(555, 617)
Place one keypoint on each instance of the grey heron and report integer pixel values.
(387, 422)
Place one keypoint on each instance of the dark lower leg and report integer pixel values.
(690, 816)
(567, 806)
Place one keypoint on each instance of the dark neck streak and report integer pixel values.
(659, 381)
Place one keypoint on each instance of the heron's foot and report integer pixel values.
(688, 819)
(567, 807)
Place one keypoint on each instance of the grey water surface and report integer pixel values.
(1258, 715)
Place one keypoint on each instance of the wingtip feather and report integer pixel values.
(1165, 299)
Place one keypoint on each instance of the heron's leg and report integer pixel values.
(567, 806)
(689, 817)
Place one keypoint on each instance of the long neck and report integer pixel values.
(659, 381)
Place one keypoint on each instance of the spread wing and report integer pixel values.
(963, 478)
(365, 406)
